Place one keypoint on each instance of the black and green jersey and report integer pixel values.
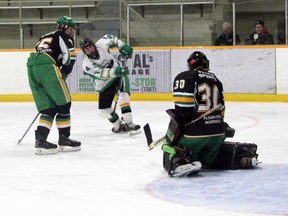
(54, 56)
(58, 45)
(195, 92)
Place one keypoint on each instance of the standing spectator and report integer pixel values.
(226, 38)
(260, 36)
(48, 65)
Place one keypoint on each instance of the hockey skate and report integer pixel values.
(43, 147)
(186, 169)
(68, 145)
(121, 129)
(133, 129)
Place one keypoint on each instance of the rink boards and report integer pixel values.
(257, 73)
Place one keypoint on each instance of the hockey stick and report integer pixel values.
(152, 144)
(119, 88)
(19, 141)
(117, 95)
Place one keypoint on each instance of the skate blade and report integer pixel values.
(43, 151)
(68, 149)
(134, 133)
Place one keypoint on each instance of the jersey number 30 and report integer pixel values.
(179, 84)
(210, 97)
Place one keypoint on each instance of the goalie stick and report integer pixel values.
(152, 144)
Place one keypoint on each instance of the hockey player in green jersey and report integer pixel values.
(189, 144)
(48, 66)
(100, 64)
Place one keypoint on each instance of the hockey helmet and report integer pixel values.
(85, 42)
(65, 22)
(198, 60)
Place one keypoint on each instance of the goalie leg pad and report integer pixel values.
(174, 128)
(236, 155)
(178, 162)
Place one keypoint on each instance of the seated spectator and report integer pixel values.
(226, 38)
(260, 36)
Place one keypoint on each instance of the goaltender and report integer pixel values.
(189, 143)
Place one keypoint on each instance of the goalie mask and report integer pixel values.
(89, 48)
(198, 60)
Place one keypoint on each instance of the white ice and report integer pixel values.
(117, 175)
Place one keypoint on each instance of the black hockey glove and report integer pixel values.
(229, 132)
(66, 70)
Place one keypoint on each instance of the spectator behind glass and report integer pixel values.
(260, 36)
(226, 38)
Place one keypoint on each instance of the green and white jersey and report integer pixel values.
(103, 68)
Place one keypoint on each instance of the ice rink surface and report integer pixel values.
(116, 175)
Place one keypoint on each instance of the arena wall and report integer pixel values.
(257, 73)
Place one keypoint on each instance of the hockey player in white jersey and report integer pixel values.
(108, 76)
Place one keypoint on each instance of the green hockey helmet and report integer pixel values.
(65, 21)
